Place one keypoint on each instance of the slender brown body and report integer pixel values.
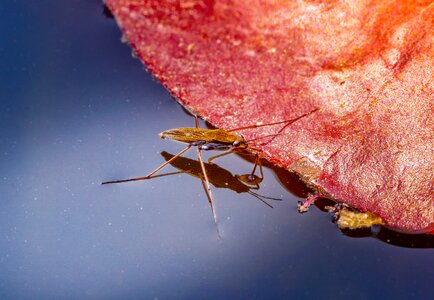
(206, 139)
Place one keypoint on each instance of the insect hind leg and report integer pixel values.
(252, 178)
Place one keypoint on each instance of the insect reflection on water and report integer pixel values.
(218, 176)
(222, 140)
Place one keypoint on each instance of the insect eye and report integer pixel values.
(236, 144)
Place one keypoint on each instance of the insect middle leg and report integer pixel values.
(220, 155)
(207, 187)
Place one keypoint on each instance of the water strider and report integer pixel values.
(215, 139)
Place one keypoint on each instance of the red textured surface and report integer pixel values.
(368, 66)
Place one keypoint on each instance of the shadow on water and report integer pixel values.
(106, 12)
(222, 178)
(218, 176)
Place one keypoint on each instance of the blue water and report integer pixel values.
(77, 109)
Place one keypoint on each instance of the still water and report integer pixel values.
(77, 109)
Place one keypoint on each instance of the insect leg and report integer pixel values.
(153, 172)
(220, 155)
(257, 162)
(168, 162)
(252, 179)
(208, 188)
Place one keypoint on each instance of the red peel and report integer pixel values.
(368, 66)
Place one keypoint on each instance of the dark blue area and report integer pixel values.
(77, 109)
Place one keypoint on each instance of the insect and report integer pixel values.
(215, 139)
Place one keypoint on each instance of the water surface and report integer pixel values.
(77, 109)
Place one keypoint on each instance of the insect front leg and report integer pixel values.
(149, 176)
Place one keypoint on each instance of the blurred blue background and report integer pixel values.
(77, 109)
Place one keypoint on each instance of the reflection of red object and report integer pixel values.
(369, 67)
